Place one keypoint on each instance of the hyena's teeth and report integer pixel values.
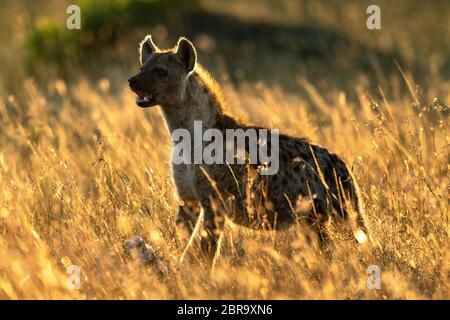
(145, 98)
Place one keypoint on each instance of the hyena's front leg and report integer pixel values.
(189, 209)
(212, 227)
(188, 214)
(212, 216)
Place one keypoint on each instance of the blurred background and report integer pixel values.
(326, 42)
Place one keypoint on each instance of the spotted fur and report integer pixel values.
(311, 186)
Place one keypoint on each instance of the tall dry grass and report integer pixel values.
(82, 169)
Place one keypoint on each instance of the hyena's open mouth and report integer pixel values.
(144, 100)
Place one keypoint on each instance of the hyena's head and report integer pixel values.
(163, 74)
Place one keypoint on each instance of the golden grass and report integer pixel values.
(82, 169)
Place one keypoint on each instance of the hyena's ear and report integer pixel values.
(187, 54)
(146, 48)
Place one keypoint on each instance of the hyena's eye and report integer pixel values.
(160, 72)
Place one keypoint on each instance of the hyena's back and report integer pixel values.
(306, 171)
(340, 187)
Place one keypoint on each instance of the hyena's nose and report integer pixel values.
(132, 81)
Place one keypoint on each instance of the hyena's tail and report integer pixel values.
(361, 232)
(352, 209)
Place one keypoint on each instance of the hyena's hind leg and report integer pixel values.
(319, 221)
(312, 205)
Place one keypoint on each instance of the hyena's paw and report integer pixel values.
(145, 254)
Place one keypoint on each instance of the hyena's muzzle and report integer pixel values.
(144, 97)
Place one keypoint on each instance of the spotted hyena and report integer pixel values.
(312, 184)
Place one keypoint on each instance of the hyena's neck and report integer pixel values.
(200, 102)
